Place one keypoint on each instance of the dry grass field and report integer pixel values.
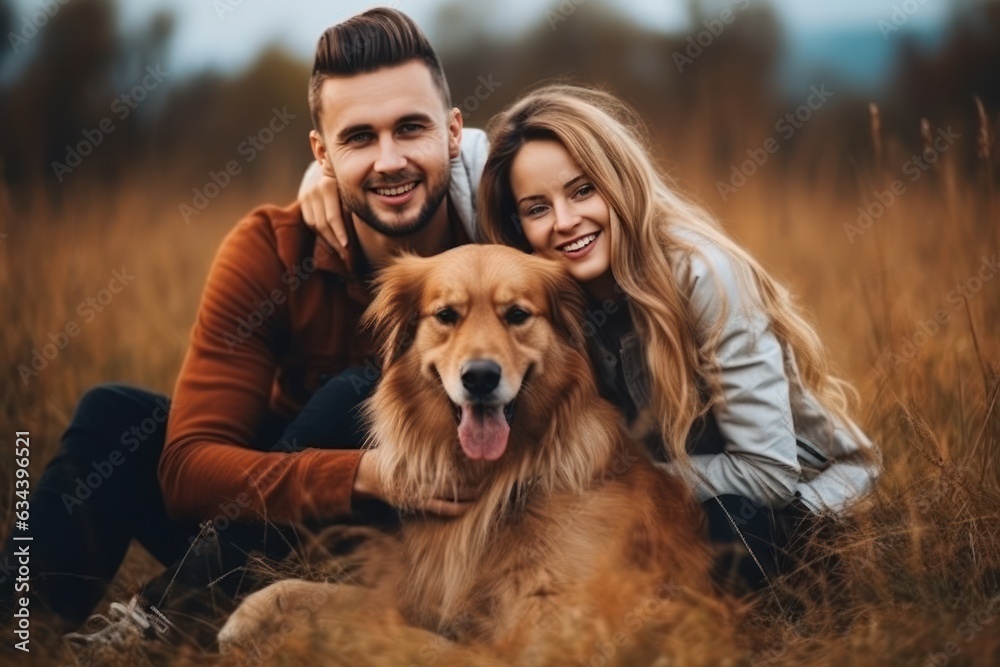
(909, 306)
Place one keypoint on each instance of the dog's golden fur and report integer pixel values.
(571, 502)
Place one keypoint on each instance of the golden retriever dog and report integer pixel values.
(486, 385)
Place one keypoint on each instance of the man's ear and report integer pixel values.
(320, 152)
(394, 313)
(455, 125)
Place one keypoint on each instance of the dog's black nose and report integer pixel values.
(481, 376)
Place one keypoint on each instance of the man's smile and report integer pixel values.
(396, 190)
(396, 195)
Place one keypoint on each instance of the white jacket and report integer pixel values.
(780, 443)
(466, 171)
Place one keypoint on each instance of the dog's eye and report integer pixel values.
(517, 315)
(446, 316)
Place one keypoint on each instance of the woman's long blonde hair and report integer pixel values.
(609, 143)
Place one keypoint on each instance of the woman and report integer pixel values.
(690, 334)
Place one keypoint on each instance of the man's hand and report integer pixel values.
(321, 210)
(450, 507)
(366, 485)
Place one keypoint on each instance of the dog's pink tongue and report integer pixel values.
(483, 432)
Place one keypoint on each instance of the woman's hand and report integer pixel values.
(321, 210)
(367, 485)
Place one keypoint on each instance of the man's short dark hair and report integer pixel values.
(377, 38)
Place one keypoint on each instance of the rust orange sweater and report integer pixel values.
(279, 311)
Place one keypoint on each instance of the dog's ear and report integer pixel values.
(566, 303)
(394, 313)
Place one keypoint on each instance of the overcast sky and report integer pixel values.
(228, 34)
(203, 38)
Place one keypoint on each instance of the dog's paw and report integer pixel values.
(278, 608)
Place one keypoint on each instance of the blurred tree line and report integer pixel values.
(76, 80)
(80, 81)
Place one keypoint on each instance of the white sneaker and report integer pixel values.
(124, 625)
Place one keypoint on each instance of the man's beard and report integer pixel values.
(362, 209)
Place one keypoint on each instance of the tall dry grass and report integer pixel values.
(911, 577)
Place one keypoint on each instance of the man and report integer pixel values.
(386, 131)
(278, 318)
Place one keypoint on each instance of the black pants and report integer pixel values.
(751, 539)
(85, 509)
(101, 491)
